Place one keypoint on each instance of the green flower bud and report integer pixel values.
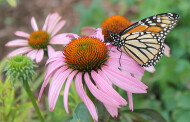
(20, 68)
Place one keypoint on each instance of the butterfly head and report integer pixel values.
(116, 38)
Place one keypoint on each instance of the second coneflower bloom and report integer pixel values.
(40, 40)
(88, 62)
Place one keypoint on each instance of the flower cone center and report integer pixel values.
(39, 39)
(86, 53)
(114, 24)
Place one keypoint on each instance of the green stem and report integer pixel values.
(30, 95)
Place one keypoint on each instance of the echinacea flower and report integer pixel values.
(39, 41)
(88, 61)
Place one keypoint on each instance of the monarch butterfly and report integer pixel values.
(144, 40)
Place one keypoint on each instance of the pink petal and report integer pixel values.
(19, 51)
(17, 43)
(46, 23)
(22, 34)
(167, 50)
(71, 35)
(60, 39)
(88, 31)
(128, 77)
(99, 34)
(32, 54)
(80, 90)
(100, 95)
(53, 67)
(39, 55)
(150, 69)
(130, 99)
(112, 110)
(55, 87)
(66, 90)
(34, 24)
(57, 56)
(123, 81)
(58, 27)
(128, 66)
(51, 51)
(53, 20)
(107, 88)
(49, 73)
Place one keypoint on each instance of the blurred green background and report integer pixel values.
(169, 85)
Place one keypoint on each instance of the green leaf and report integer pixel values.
(81, 114)
(13, 3)
(181, 115)
(103, 115)
(147, 115)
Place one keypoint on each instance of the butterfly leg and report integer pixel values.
(120, 56)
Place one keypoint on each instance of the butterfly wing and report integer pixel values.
(144, 40)
(145, 48)
(159, 24)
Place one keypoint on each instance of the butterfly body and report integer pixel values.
(144, 40)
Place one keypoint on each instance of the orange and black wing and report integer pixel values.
(144, 40)
(159, 24)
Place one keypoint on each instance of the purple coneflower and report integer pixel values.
(40, 40)
(88, 62)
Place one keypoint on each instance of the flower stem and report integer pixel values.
(30, 95)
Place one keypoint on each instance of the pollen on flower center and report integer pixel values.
(114, 24)
(86, 53)
(39, 39)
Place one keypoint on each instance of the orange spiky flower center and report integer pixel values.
(114, 24)
(39, 39)
(86, 54)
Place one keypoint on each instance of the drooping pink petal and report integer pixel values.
(80, 90)
(44, 85)
(22, 34)
(112, 110)
(55, 87)
(39, 55)
(32, 54)
(17, 43)
(88, 31)
(130, 99)
(137, 77)
(150, 69)
(53, 67)
(46, 23)
(129, 78)
(66, 90)
(127, 66)
(57, 56)
(49, 73)
(107, 88)
(34, 24)
(167, 50)
(100, 95)
(104, 77)
(58, 27)
(19, 51)
(60, 39)
(51, 51)
(123, 82)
